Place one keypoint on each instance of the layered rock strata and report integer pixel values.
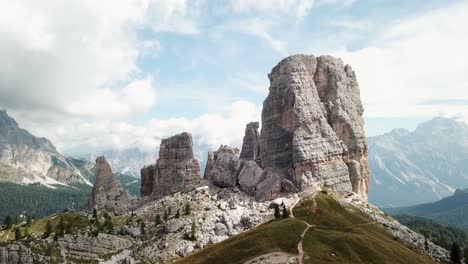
(107, 194)
(312, 125)
(175, 170)
(251, 142)
(312, 132)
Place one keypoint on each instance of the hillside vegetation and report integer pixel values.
(449, 211)
(441, 235)
(335, 235)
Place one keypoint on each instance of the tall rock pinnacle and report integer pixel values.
(175, 170)
(312, 126)
(107, 194)
(251, 142)
(312, 134)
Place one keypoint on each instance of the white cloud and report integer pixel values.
(415, 60)
(78, 135)
(80, 57)
(136, 97)
(298, 8)
(174, 15)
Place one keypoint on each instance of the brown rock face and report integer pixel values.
(251, 142)
(312, 126)
(222, 167)
(175, 170)
(147, 180)
(107, 194)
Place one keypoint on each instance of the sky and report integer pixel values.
(92, 75)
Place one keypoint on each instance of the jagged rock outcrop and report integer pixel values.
(147, 180)
(312, 133)
(175, 170)
(222, 166)
(108, 195)
(312, 126)
(251, 143)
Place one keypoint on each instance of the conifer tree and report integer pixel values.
(455, 253)
(158, 220)
(187, 208)
(8, 221)
(28, 221)
(277, 212)
(465, 255)
(285, 212)
(17, 233)
(142, 227)
(48, 230)
(60, 230)
(177, 215)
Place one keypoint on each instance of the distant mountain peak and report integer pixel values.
(441, 125)
(420, 166)
(25, 158)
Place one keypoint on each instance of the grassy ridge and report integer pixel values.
(270, 237)
(337, 236)
(38, 226)
(341, 236)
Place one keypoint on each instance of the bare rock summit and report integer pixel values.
(312, 133)
(175, 170)
(312, 126)
(107, 194)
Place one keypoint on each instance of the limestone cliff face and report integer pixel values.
(312, 126)
(108, 195)
(175, 170)
(147, 180)
(312, 134)
(251, 142)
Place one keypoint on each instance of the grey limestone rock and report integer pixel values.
(107, 194)
(312, 126)
(223, 166)
(147, 180)
(251, 142)
(175, 170)
(249, 176)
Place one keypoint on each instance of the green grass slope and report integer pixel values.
(38, 226)
(270, 237)
(341, 236)
(336, 235)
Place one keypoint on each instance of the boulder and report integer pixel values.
(249, 176)
(222, 167)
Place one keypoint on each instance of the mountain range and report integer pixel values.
(449, 211)
(25, 158)
(421, 166)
